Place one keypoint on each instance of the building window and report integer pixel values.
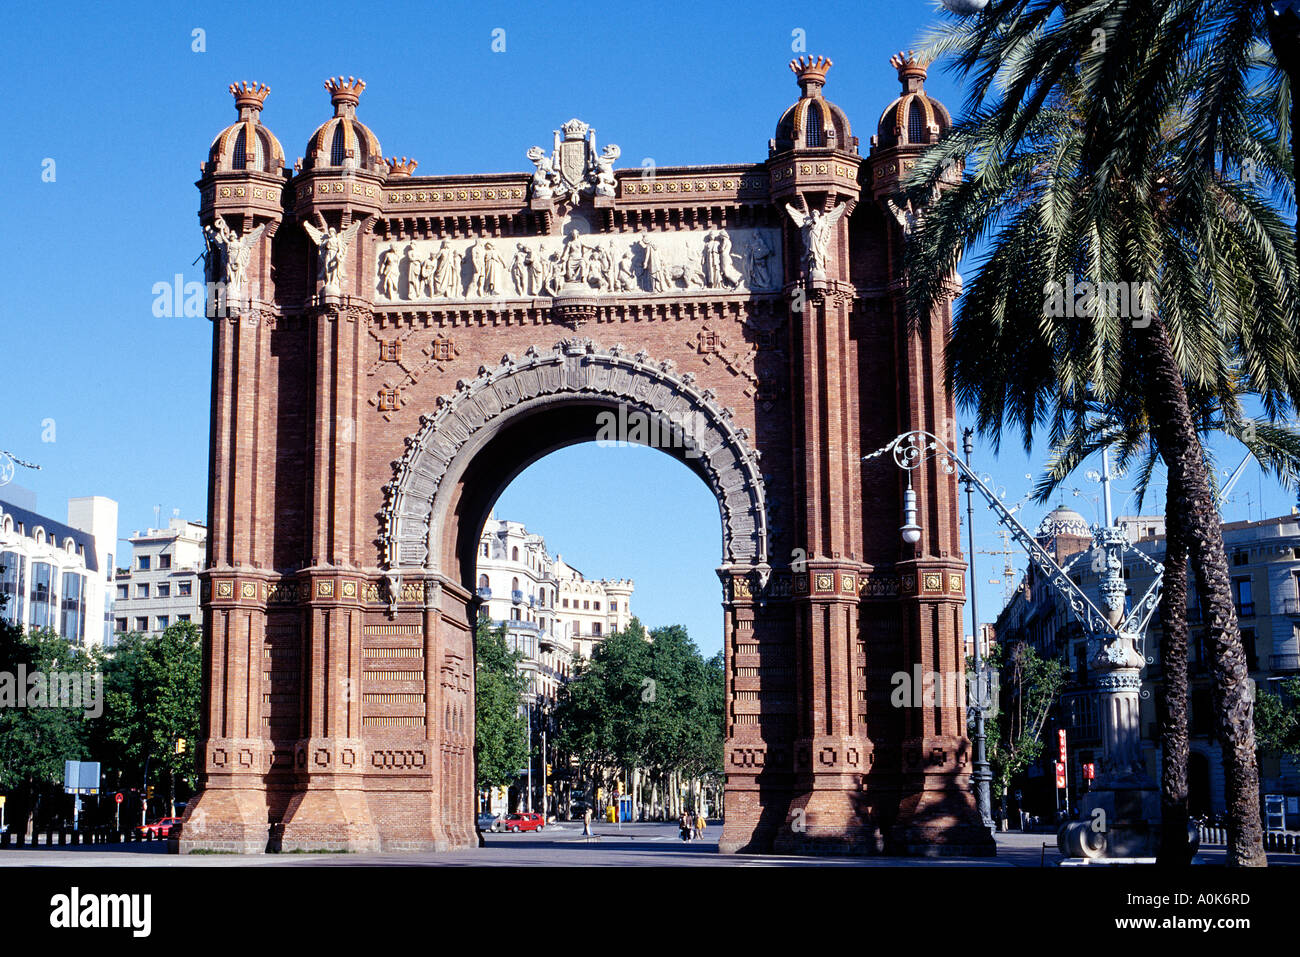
(485, 551)
(12, 586)
(73, 608)
(1248, 645)
(42, 580)
(586, 605)
(123, 591)
(1241, 591)
(142, 590)
(595, 628)
(121, 624)
(815, 135)
(142, 624)
(163, 622)
(597, 606)
(142, 563)
(564, 603)
(183, 617)
(514, 554)
(164, 561)
(183, 589)
(164, 590)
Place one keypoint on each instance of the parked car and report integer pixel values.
(490, 822)
(524, 822)
(159, 828)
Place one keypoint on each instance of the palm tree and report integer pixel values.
(1104, 161)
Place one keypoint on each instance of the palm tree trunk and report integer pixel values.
(1172, 703)
(1191, 501)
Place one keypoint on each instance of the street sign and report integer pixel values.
(81, 777)
(1060, 775)
(118, 798)
(1060, 737)
(1090, 770)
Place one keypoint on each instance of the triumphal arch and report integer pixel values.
(391, 349)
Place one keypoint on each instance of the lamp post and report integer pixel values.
(1128, 804)
(982, 775)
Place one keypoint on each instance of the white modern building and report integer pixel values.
(162, 585)
(56, 574)
(552, 613)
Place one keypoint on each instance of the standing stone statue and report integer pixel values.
(816, 228)
(519, 270)
(573, 264)
(539, 270)
(756, 256)
(727, 270)
(445, 272)
(476, 268)
(413, 271)
(494, 271)
(655, 266)
(390, 267)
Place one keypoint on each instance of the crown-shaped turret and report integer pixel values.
(911, 69)
(810, 70)
(344, 94)
(249, 96)
(402, 167)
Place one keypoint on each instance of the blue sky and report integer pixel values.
(118, 98)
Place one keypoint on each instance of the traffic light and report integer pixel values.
(548, 770)
(180, 745)
(149, 793)
(550, 790)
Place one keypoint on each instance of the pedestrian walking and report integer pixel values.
(586, 821)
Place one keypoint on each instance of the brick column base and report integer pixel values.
(230, 819)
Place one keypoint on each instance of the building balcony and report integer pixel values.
(1246, 609)
(517, 597)
(1291, 606)
(485, 593)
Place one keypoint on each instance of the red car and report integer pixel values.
(524, 822)
(159, 828)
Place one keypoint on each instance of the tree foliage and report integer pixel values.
(1031, 684)
(1277, 719)
(500, 731)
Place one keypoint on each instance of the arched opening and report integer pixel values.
(483, 437)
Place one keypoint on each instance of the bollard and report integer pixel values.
(63, 837)
(4, 839)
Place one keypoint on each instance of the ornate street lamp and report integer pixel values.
(1121, 811)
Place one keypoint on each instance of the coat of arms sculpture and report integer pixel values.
(573, 170)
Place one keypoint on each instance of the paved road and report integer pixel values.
(632, 845)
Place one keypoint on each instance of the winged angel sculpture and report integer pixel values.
(229, 254)
(332, 245)
(816, 228)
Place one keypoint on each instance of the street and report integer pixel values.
(563, 845)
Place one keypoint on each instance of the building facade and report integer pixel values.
(552, 613)
(1264, 557)
(161, 587)
(390, 350)
(59, 575)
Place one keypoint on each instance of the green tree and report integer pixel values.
(1121, 162)
(153, 694)
(1030, 685)
(1277, 719)
(500, 731)
(35, 740)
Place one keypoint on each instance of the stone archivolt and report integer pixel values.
(575, 368)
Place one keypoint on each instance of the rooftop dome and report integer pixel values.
(814, 122)
(915, 118)
(246, 144)
(343, 141)
(1064, 521)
